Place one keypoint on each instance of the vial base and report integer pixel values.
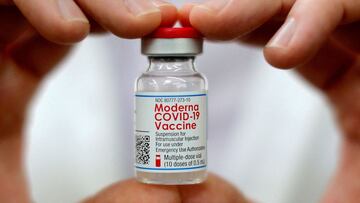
(186, 178)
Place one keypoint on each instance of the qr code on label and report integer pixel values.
(142, 149)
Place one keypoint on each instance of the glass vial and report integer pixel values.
(171, 110)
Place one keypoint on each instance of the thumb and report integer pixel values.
(308, 25)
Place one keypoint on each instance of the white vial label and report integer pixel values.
(170, 132)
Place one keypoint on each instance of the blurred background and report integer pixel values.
(270, 133)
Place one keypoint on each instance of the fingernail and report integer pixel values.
(214, 5)
(284, 35)
(70, 11)
(141, 7)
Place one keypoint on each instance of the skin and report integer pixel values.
(324, 48)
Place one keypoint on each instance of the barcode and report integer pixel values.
(142, 149)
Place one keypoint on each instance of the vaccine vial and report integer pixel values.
(171, 110)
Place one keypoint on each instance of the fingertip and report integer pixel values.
(227, 20)
(306, 29)
(210, 24)
(135, 27)
(57, 21)
(203, 20)
(67, 32)
(292, 46)
(168, 13)
(280, 57)
(184, 13)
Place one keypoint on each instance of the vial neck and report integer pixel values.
(165, 64)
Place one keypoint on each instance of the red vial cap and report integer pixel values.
(179, 32)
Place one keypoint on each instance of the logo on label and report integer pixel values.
(158, 160)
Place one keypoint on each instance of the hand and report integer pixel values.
(34, 36)
(230, 22)
(213, 190)
(321, 39)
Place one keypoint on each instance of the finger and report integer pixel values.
(129, 18)
(6, 2)
(307, 27)
(12, 179)
(36, 55)
(348, 35)
(22, 66)
(334, 70)
(95, 28)
(229, 19)
(169, 13)
(345, 185)
(17, 86)
(214, 189)
(12, 24)
(133, 191)
(184, 14)
(350, 11)
(59, 21)
(261, 35)
(329, 65)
